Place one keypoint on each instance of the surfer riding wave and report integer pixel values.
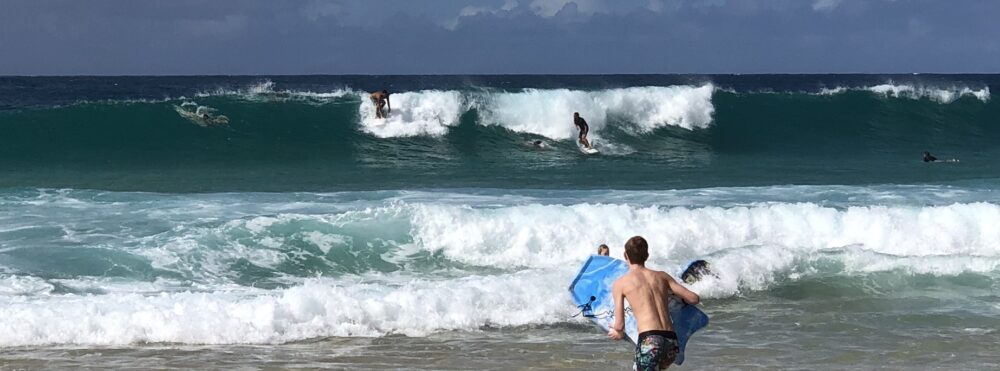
(584, 129)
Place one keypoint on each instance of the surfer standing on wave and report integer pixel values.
(584, 129)
(647, 292)
(381, 99)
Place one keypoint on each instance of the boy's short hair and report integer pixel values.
(603, 247)
(637, 250)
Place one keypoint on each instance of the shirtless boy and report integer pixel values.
(647, 291)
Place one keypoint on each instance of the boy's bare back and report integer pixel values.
(647, 292)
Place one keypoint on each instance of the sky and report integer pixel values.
(379, 37)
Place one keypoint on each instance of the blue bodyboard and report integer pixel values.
(591, 291)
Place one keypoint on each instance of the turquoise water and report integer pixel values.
(306, 226)
(659, 132)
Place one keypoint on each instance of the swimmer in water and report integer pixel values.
(695, 271)
(536, 144)
(928, 157)
(603, 250)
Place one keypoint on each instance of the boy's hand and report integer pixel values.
(615, 334)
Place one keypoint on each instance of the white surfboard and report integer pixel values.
(588, 151)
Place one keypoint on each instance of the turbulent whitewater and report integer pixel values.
(261, 268)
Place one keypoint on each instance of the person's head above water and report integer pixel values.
(636, 250)
(576, 114)
(695, 271)
(603, 250)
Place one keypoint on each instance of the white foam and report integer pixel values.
(641, 109)
(544, 112)
(376, 305)
(318, 308)
(325, 241)
(555, 235)
(860, 261)
(23, 285)
(264, 91)
(551, 236)
(266, 86)
(536, 247)
(420, 113)
(942, 95)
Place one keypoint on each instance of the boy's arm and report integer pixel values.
(682, 292)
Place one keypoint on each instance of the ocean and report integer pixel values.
(303, 232)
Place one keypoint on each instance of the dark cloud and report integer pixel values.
(497, 36)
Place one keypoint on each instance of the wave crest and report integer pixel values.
(427, 112)
(937, 94)
(547, 113)
(643, 109)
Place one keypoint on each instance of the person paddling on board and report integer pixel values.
(647, 292)
(381, 99)
(584, 129)
(928, 157)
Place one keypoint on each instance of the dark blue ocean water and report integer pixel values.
(316, 133)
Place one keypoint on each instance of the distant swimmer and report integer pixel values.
(603, 250)
(584, 129)
(381, 99)
(695, 271)
(202, 115)
(928, 157)
(209, 119)
(536, 144)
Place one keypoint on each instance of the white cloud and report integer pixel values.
(825, 5)
(659, 6)
(549, 8)
(470, 11)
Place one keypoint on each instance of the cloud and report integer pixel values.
(496, 36)
(472, 11)
(825, 5)
(659, 6)
(549, 8)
